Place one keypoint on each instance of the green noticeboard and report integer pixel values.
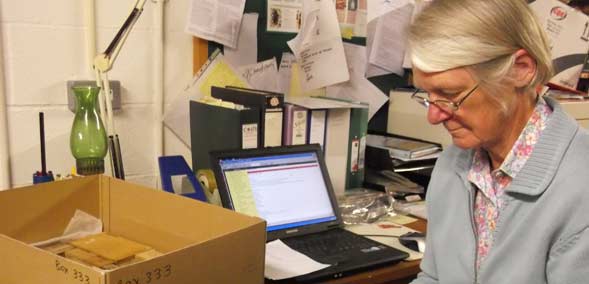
(273, 44)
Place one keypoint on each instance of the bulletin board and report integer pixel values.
(272, 44)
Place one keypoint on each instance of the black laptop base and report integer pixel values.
(343, 250)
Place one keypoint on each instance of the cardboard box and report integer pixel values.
(201, 243)
(568, 33)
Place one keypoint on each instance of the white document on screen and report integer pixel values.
(318, 46)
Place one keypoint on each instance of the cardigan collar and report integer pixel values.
(541, 167)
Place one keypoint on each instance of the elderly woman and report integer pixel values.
(508, 202)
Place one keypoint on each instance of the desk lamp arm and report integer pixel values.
(103, 62)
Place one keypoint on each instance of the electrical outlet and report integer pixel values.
(115, 88)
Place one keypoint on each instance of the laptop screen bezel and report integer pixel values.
(217, 156)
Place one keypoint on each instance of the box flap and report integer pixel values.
(167, 221)
(44, 210)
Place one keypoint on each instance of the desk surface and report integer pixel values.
(400, 273)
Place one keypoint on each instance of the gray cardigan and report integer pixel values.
(542, 235)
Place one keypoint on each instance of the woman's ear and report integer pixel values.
(524, 69)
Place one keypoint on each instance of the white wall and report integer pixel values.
(44, 47)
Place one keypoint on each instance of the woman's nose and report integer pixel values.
(435, 115)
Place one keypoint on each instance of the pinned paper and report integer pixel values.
(215, 72)
(246, 51)
(386, 47)
(262, 75)
(284, 15)
(358, 88)
(351, 16)
(377, 8)
(285, 72)
(296, 89)
(318, 46)
(218, 21)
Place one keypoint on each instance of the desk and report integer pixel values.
(400, 273)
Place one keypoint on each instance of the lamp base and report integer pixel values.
(89, 166)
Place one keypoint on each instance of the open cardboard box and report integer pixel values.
(201, 243)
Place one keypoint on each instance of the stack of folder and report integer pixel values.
(269, 105)
(329, 122)
(218, 127)
(245, 118)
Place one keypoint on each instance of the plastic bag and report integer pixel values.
(365, 206)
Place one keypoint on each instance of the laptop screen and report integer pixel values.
(287, 190)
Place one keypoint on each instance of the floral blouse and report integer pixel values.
(490, 184)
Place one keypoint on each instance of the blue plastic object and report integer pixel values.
(174, 166)
(40, 178)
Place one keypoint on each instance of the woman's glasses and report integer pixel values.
(445, 105)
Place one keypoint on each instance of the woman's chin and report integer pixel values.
(464, 143)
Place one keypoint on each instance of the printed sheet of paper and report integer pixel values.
(387, 48)
(289, 82)
(377, 8)
(282, 262)
(318, 46)
(371, 69)
(216, 72)
(296, 85)
(419, 5)
(358, 88)
(284, 16)
(262, 75)
(213, 20)
(247, 44)
(285, 72)
(351, 15)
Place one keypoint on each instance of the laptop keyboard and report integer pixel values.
(329, 243)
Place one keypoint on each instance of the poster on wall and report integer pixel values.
(285, 16)
(351, 15)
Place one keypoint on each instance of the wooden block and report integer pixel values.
(110, 247)
(57, 248)
(87, 257)
(128, 261)
(110, 267)
(148, 254)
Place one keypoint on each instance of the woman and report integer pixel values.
(508, 202)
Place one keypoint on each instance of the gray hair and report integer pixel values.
(482, 35)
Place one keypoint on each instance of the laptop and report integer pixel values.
(289, 187)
